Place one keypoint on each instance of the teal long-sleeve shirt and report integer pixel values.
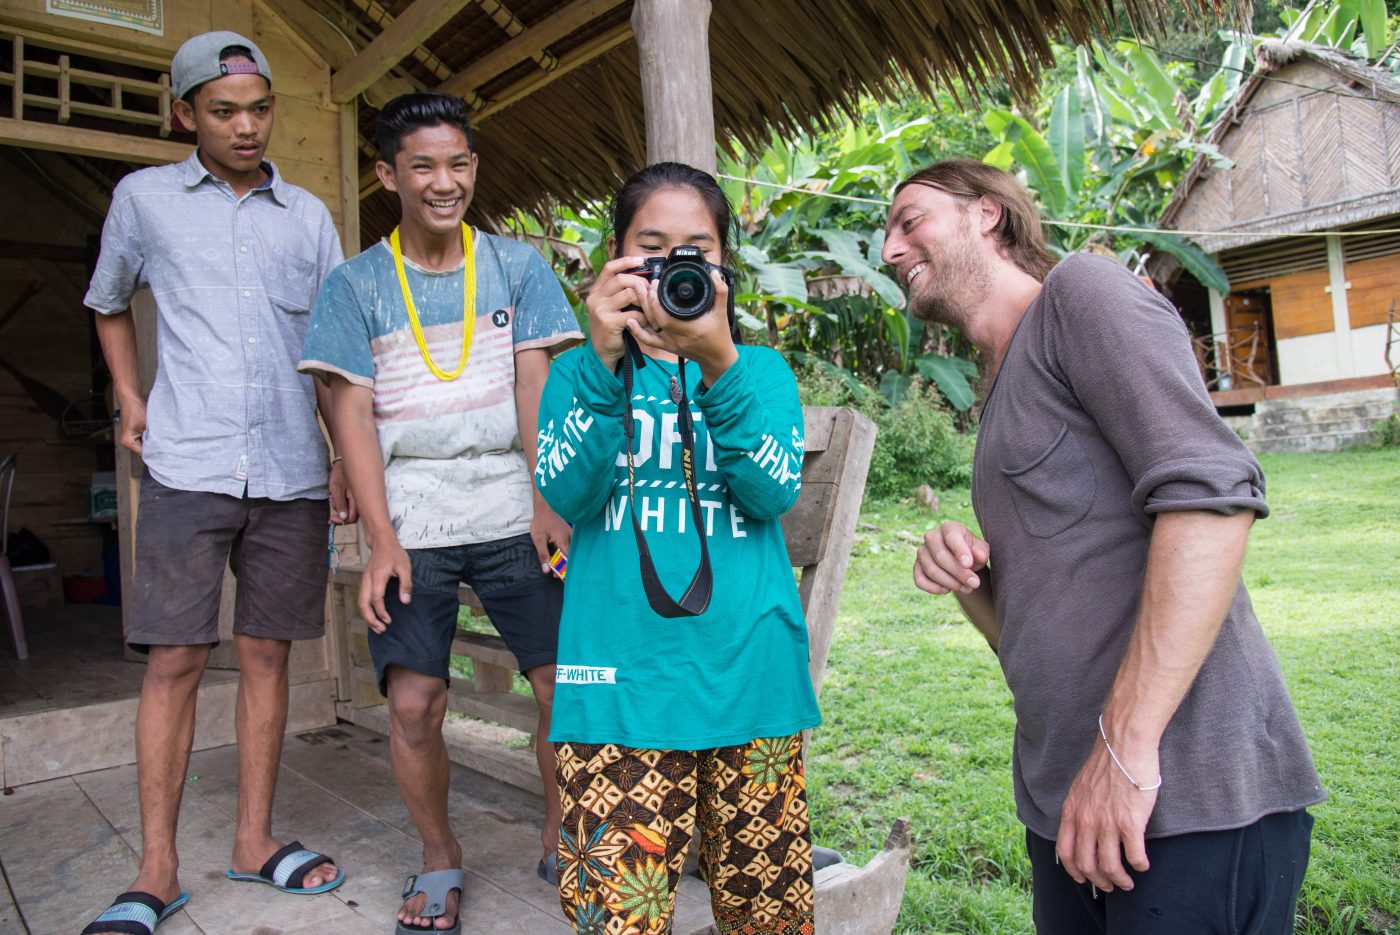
(626, 675)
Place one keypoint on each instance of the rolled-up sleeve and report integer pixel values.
(1126, 354)
(117, 274)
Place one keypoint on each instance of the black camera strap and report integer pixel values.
(697, 594)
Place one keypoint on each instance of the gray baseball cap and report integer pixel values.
(197, 61)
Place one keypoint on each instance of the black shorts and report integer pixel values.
(522, 602)
(1239, 882)
(185, 538)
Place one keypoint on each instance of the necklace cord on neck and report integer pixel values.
(468, 304)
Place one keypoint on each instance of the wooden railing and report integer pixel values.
(1226, 357)
(1392, 337)
(118, 91)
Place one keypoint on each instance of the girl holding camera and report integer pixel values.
(676, 710)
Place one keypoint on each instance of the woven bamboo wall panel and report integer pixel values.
(1281, 161)
(1301, 304)
(1322, 150)
(1211, 201)
(1390, 118)
(1246, 181)
(1365, 151)
(1375, 284)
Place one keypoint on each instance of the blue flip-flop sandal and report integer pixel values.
(286, 869)
(436, 886)
(135, 913)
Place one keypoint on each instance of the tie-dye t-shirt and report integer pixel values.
(454, 469)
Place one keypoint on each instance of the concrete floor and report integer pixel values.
(68, 846)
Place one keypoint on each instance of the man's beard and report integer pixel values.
(952, 286)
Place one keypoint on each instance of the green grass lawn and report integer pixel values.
(918, 720)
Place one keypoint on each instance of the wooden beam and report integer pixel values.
(334, 48)
(349, 179)
(399, 38)
(576, 58)
(125, 44)
(66, 181)
(96, 50)
(27, 250)
(594, 48)
(99, 144)
(533, 40)
(673, 46)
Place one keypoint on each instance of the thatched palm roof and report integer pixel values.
(776, 65)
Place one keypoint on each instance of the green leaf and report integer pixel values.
(1095, 110)
(842, 243)
(898, 327)
(1034, 155)
(1196, 261)
(1067, 140)
(1161, 89)
(893, 386)
(1331, 28)
(748, 298)
(886, 288)
(1118, 107)
(949, 377)
(1373, 25)
(841, 375)
(782, 280)
(1000, 156)
(997, 120)
(1307, 26)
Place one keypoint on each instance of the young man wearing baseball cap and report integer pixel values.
(237, 471)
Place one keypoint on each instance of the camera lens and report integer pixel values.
(685, 291)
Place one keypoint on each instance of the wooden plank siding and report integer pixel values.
(1301, 304)
(1375, 283)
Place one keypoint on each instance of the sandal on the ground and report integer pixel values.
(287, 868)
(436, 886)
(548, 871)
(136, 913)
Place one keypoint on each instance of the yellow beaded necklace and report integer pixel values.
(468, 304)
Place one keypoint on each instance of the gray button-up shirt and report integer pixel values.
(233, 279)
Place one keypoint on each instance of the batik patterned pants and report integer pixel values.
(630, 814)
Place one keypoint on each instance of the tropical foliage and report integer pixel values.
(1103, 145)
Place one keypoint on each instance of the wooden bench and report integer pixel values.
(818, 530)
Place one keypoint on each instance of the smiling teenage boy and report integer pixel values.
(236, 465)
(436, 344)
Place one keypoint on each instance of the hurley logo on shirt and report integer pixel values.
(585, 675)
(500, 318)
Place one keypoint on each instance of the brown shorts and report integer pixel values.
(184, 538)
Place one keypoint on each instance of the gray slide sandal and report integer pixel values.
(436, 886)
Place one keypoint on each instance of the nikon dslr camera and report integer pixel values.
(684, 288)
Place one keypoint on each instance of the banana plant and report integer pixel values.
(1360, 27)
(1121, 128)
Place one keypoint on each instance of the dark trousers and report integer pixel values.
(1240, 882)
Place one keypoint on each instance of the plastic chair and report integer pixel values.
(9, 593)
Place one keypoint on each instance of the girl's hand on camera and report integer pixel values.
(705, 339)
(612, 292)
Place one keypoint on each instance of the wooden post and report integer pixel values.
(673, 46)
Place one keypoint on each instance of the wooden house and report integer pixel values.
(1305, 221)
